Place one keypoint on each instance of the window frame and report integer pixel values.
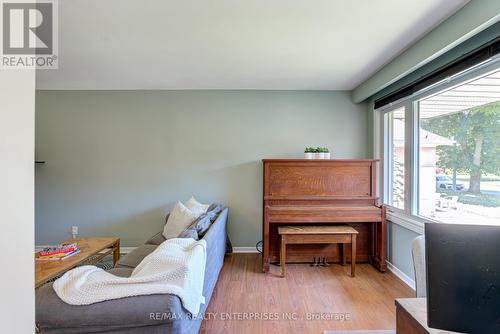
(388, 158)
(409, 217)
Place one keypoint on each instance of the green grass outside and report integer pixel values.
(473, 199)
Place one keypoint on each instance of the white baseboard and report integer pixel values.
(244, 250)
(126, 250)
(401, 275)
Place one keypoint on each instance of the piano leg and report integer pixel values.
(265, 241)
(378, 259)
(353, 255)
(373, 239)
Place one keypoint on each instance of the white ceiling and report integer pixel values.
(234, 44)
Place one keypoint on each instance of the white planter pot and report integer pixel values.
(319, 155)
(308, 155)
(326, 155)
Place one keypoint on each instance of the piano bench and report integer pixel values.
(314, 234)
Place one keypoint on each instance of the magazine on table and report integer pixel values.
(56, 258)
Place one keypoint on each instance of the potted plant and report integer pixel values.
(319, 153)
(326, 153)
(309, 153)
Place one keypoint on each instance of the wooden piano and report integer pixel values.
(298, 191)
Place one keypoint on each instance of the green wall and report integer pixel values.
(116, 161)
(399, 248)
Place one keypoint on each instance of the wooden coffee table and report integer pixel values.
(89, 247)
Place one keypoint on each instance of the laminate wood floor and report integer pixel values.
(308, 300)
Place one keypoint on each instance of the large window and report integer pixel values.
(453, 147)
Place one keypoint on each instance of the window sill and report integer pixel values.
(412, 223)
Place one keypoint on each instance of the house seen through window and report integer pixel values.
(459, 153)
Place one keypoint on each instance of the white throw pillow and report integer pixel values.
(179, 219)
(195, 206)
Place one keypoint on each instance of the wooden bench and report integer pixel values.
(343, 234)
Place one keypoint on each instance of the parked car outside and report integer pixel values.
(445, 182)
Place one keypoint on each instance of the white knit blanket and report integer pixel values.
(176, 267)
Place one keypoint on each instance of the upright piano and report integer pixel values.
(298, 191)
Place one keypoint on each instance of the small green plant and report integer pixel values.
(322, 150)
(316, 150)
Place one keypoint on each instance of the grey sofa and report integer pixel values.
(160, 313)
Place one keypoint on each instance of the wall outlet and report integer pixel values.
(74, 231)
